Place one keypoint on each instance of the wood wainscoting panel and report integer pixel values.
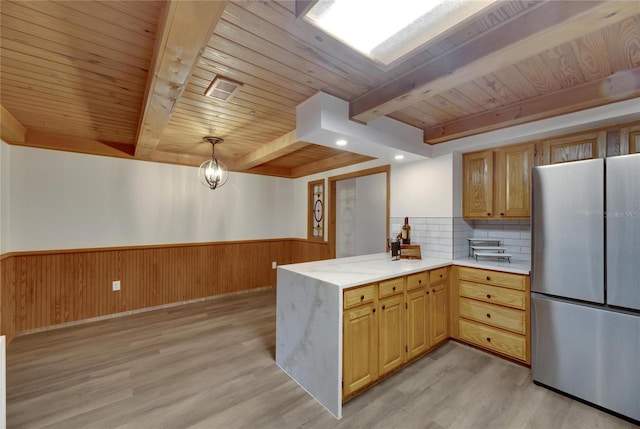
(306, 251)
(41, 289)
(7, 298)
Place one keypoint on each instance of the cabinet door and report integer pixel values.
(417, 323)
(360, 349)
(392, 327)
(477, 193)
(438, 313)
(514, 181)
(575, 148)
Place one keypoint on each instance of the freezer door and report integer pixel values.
(568, 230)
(623, 231)
(588, 352)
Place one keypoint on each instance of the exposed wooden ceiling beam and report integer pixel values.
(11, 130)
(341, 160)
(77, 144)
(277, 148)
(304, 6)
(271, 171)
(184, 33)
(548, 25)
(591, 94)
(177, 158)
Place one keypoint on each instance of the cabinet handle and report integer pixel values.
(489, 315)
(427, 292)
(501, 214)
(419, 281)
(440, 275)
(488, 214)
(488, 278)
(394, 288)
(361, 297)
(433, 290)
(384, 306)
(374, 310)
(488, 339)
(488, 296)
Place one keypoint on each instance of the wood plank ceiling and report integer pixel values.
(127, 78)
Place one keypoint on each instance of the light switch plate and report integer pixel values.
(115, 285)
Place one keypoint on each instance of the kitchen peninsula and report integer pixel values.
(310, 306)
(309, 310)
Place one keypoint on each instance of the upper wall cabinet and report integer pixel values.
(631, 135)
(497, 183)
(574, 148)
(477, 193)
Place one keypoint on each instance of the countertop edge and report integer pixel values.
(404, 267)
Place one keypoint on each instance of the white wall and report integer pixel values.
(423, 188)
(60, 200)
(300, 201)
(371, 214)
(346, 215)
(4, 197)
(361, 221)
(418, 189)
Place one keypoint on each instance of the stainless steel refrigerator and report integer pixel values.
(585, 281)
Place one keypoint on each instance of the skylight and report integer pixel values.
(387, 30)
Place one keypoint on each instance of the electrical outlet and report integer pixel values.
(115, 285)
(274, 265)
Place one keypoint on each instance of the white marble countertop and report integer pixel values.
(359, 270)
(517, 267)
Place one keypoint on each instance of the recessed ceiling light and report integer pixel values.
(399, 157)
(385, 34)
(341, 142)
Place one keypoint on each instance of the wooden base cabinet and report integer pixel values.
(417, 323)
(438, 305)
(492, 311)
(390, 323)
(392, 329)
(360, 339)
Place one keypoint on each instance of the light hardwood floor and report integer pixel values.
(211, 365)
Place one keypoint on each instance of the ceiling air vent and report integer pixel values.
(223, 89)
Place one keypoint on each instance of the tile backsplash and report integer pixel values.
(514, 235)
(447, 237)
(433, 234)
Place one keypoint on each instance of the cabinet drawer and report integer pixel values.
(495, 315)
(497, 278)
(439, 275)
(507, 343)
(416, 280)
(391, 287)
(359, 295)
(496, 295)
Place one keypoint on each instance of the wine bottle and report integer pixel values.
(406, 232)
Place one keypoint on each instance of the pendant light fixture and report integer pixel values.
(213, 173)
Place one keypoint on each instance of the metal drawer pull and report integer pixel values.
(489, 296)
(489, 315)
(488, 339)
(361, 297)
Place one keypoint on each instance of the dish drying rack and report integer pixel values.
(487, 248)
